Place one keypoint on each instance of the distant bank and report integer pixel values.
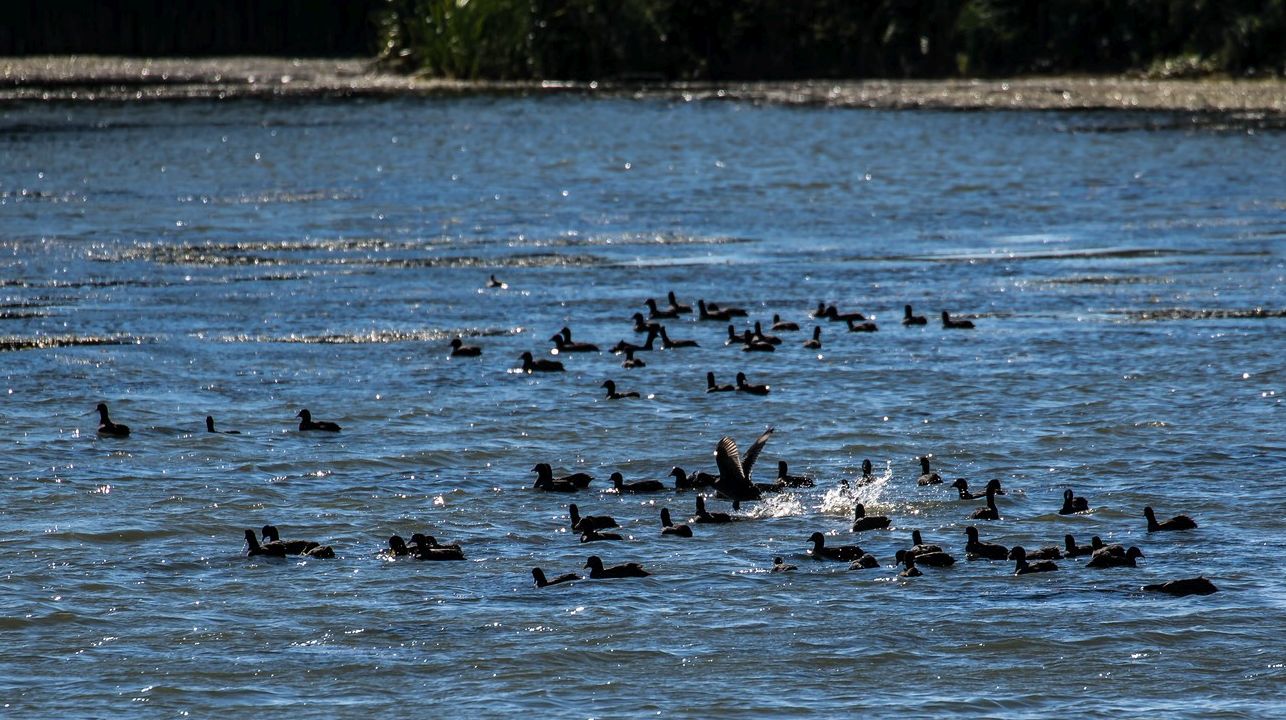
(89, 78)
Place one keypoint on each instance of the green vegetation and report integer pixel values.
(786, 39)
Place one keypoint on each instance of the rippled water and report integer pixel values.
(246, 260)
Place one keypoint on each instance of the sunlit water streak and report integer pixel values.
(245, 260)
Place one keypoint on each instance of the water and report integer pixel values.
(246, 260)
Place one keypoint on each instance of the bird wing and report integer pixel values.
(754, 451)
(728, 458)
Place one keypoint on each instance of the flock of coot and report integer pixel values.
(733, 480)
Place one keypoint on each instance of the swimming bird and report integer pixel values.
(459, 349)
(786, 479)
(595, 536)
(541, 582)
(293, 547)
(1047, 553)
(655, 313)
(632, 362)
(255, 549)
(975, 549)
(866, 562)
(950, 324)
(990, 512)
(733, 310)
(911, 570)
(675, 305)
(530, 365)
(647, 345)
(745, 387)
(867, 326)
(820, 312)
(598, 572)
(420, 542)
(734, 473)
(581, 523)
(397, 547)
(918, 545)
(1072, 549)
(710, 313)
(552, 485)
(717, 518)
(1186, 586)
(545, 473)
(1113, 557)
(438, 554)
(816, 342)
(610, 385)
(910, 319)
(932, 559)
(642, 326)
(863, 522)
(107, 427)
(711, 386)
(834, 315)
(209, 427)
(1022, 567)
(779, 325)
(780, 565)
(1178, 522)
(1097, 544)
(1073, 504)
(759, 335)
(493, 283)
(564, 344)
(750, 343)
(642, 486)
(698, 479)
(309, 548)
(868, 475)
(669, 528)
(306, 422)
(927, 476)
(669, 344)
(847, 553)
(962, 486)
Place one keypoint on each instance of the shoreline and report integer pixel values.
(121, 79)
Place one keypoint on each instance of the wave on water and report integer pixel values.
(380, 252)
(1109, 280)
(1201, 314)
(371, 336)
(337, 253)
(1012, 255)
(271, 197)
(42, 342)
(72, 284)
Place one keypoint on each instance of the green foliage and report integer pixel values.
(780, 39)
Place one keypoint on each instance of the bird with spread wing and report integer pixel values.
(734, 473)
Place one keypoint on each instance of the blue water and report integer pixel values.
(246, 260)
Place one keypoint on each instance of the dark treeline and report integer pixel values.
(787, 39)
(190, 27)
(682, 39)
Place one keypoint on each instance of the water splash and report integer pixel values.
(840, 500)
(783, 504)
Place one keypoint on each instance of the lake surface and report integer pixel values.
(246, 260)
